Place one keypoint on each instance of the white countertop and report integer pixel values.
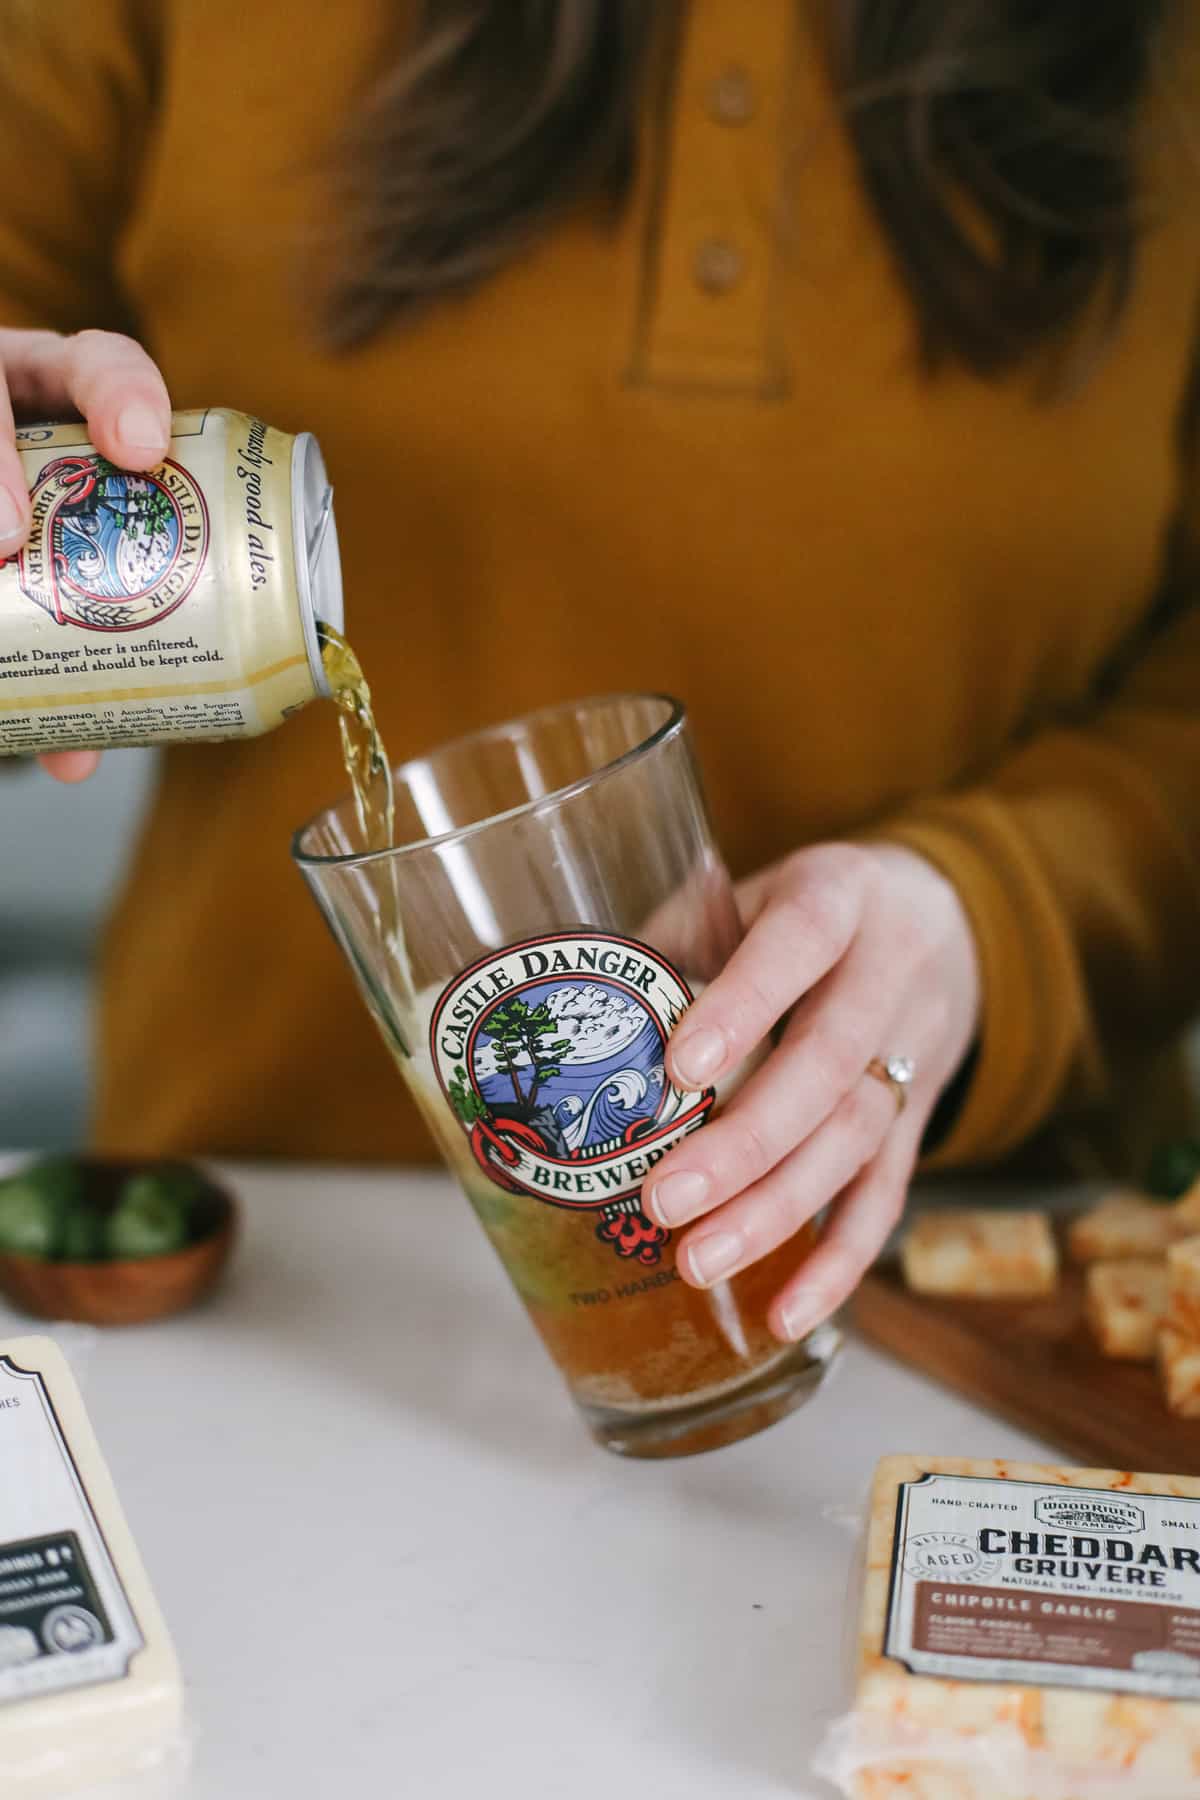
(395, 1565)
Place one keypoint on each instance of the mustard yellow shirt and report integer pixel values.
(693, 452)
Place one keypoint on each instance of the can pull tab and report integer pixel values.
(320, 527)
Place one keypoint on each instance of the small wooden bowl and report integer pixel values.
(135, 1289)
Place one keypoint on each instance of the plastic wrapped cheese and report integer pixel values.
(90, 1695)
(1026, 1633)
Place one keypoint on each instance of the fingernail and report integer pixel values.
(697, 1057)
(712, 1257)
(12, 516)
(677, 1198)
(76, 765)
(141, 428)
(799, 1317)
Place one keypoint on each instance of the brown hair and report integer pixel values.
(996, 139)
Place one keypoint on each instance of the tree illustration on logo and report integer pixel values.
(147, 514)
(106, 473)
(469, 1105)
(518, 1033)
(155, 515)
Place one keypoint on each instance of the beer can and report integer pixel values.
(177, 605)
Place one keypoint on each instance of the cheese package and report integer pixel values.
(1027, 1632)
(1183, 1288)
(984, 1253)
(1125, 1224)
(1125, 1303)
(90, 1693)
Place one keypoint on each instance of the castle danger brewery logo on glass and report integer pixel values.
(180, 603)
(551, 1054)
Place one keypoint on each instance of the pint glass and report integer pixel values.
(554, 903)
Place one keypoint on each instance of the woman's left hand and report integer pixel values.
(869, 951)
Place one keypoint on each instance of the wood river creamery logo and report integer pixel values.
(112, 551)
(551, 1054)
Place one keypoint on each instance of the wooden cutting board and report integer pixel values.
(1033, 1362)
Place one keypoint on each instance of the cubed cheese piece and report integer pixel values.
(1183, 1288)
(1179, 1366)
(1124, 1225)
(89, 1688)
(1125, 1303)
(987, 1254)
(1187, 1208)
(1025, 1631)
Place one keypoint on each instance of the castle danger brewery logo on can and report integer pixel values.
(112, 551)
(181, 603)
(551, 1054)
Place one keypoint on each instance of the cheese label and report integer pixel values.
(1016, 1581)
(65, 1619)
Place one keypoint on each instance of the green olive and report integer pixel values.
(35, 1205)
(1173, 1168)
(82, 1237)
(153, 1215)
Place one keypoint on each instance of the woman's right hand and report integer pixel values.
(108, 381)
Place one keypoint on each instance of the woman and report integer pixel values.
(828, 364)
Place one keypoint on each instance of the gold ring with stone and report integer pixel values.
(896, 1072)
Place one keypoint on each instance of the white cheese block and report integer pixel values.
(981, 1252)
(1183, 1288)
(1179, 1369)
(89, 1687)
(1027, 1633)
(1124, 1303)
(1187, 1208)
(1126, 1224)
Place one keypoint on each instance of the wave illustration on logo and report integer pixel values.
(551, 1054)
(110, 550)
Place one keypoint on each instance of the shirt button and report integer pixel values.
(731, 97)
(718, 265)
